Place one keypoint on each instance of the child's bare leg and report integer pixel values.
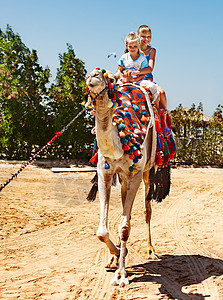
(163, 102)
(156, 102)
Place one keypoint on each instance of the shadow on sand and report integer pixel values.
(174, 272)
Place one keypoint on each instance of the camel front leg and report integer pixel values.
(104, 189)
(128, 196)
(148, 213)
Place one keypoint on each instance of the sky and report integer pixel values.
(187, 35)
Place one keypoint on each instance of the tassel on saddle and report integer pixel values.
(159, 184)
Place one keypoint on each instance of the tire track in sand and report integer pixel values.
(171, 217)
(103, 289)
(172, 287)
(32, 268)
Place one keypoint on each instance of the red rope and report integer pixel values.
(59, 133)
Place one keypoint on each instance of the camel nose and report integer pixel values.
(90, 85)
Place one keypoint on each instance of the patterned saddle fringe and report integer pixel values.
(159, 183)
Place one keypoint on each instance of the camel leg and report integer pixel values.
(113, 263)
(148, 212)
(104, 188)
(129, 190)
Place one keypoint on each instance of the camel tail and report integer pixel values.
(93, 191)
(114, 180)
(159, 184)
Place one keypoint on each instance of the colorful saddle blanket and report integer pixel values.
(132, 118)
(131, 114)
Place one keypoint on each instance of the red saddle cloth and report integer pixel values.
(166, 146)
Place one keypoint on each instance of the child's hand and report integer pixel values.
(127, 73)
(135, 73)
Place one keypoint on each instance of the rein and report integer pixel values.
(48, 144)
(33, 158)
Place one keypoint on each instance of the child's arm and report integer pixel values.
(152, 58)
(151, 64)
(124, 75)
(138, 78)
(142, 71)
(120, 70)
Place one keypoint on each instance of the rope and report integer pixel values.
(51, 141)
(31, 159)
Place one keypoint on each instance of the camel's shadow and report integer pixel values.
(174, 272)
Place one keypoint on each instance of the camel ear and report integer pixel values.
(112, 77)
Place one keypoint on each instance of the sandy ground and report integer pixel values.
(49, 248)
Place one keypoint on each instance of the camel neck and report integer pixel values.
(106, 133)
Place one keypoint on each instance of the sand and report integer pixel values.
(49, 247)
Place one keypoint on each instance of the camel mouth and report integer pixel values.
(90, 85)
(93, 82)
(95, 85)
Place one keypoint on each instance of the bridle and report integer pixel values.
(97, 95)
(102, 91)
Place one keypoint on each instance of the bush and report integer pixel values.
(199, 138)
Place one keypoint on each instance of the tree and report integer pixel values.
(219, 113)
(67, 95)
(24, 113)
(199, 137)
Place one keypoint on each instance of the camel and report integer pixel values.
(111, 151)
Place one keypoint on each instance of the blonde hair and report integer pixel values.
(131, 37)
(144, 29)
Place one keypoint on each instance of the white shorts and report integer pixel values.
(152, 86)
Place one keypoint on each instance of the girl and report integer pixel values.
(132, 60)
(133, 66)
(144, 33)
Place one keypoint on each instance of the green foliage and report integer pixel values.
(31, 113)
(199, 138)
(67, 96)
(22, 90)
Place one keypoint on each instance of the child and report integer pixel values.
(144, 33)
(133, 66)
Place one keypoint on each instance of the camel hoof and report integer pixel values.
(155, 257)
(114, 281)
(152, 256)
(110, 269)
(123, 282)
(112, 264)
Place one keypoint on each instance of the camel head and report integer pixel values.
(100, 87)
(98, 80)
